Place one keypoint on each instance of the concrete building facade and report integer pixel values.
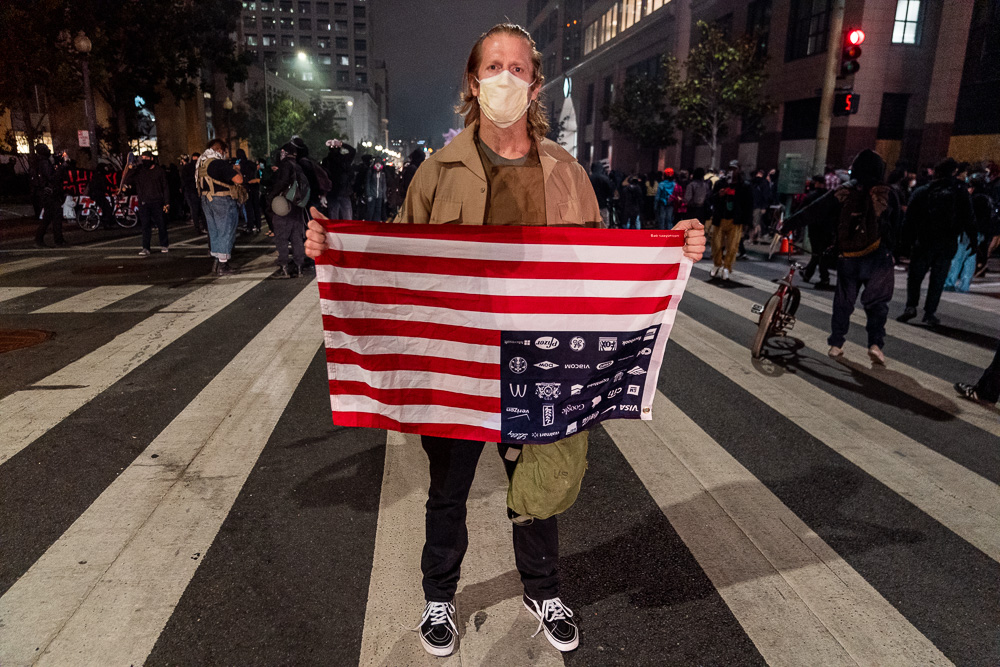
(914, 65)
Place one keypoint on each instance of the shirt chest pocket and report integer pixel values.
(445, 211)
(571, 212)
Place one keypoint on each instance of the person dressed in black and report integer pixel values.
(987, 390)
(821, 239)
(604, 189)
(288, 219)
(319, 181)
(48, 182)
(937, 215)
(150, 183)
(251, 181)
(189, 186)
(338, 165)
(865, 217)
(416, 159)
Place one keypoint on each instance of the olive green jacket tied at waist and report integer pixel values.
(450, 187)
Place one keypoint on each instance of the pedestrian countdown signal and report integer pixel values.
(845, 104)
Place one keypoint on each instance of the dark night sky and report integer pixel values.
(425, 44)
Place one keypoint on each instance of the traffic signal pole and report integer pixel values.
(833, 44)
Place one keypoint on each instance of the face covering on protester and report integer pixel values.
(503, 98)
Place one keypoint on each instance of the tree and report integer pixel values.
(286, 116)
(641, 113)
(724, 79)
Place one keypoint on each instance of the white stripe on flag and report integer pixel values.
(472, 387)
(493, 321)
(568, 287)
(416, 414)
(436, 250)
(423, 347)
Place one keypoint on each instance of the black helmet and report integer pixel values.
(868, 168)
(42, 150)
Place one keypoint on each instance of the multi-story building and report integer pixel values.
(921, 93)
(325, 47)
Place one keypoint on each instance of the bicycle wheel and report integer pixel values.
(127, 221)
(764, 326)
(792, 301)
(91, 221)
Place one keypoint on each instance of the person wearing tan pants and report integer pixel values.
(733, 208)
(725, 244)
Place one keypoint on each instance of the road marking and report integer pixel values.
(28, 414)
(796, 598)
(8, 293)
(957, 498)
(203, 237)
(25, 264)
(922, 386)
(395, 596)
(94, 299)
(921, 336)
(102, 594)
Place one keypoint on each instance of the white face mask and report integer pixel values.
(504, 98)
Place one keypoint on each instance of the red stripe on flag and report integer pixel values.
(460, 431)
(416, 396)
(515, 235)
(361, 326)
(492, 303)
(414, 362)
(503, 269)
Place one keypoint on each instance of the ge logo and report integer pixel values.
(518, 365)
(577, 343)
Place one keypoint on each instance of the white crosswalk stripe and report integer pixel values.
(104, 590)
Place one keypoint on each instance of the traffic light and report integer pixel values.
(845, 103)
(851, 52)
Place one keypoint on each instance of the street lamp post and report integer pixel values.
(228, 106)
(83, 47)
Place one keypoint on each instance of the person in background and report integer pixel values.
(963, 264)
(649, 199)
(697, 194)
(665, 200)
(821, 239)
(216, 181)
(410, 169)
(631, 197)
(732, 209)
(287, 219)
(251, 175)
(150, 183)
(376, 187)
(48, 181)
(761, 201)
(340, 157)
(189, 187)
(987, 390)
(604, 190)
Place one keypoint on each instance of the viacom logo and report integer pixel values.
(546, 343)
(548, 414)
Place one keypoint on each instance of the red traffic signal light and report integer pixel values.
(851, 51)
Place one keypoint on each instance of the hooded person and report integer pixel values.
(865, 218)
(416, 159)
(338, 163)
(288, 220)
(251, 180)
(46, 180)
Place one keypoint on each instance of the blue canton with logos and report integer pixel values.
(556, 384)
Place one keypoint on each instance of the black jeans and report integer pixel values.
(292, 228)
(923, 260)
(988, 387)
(51, 215)
(874, 273)
(453, 467)
(193, 200)
(149, 215)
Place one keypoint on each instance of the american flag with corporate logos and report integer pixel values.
(500, 334)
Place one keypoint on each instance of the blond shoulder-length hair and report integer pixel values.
(538, 122)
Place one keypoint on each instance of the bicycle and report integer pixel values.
(777, 316)
(89, 217)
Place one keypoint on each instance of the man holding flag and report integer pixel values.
(499, 171)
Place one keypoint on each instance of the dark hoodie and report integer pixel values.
(867, 172)
(416, 159)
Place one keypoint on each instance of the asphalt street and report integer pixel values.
(172, 490)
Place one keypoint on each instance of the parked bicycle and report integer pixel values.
(88, 213)
(777, 316)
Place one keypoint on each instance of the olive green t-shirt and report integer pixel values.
(515, 188)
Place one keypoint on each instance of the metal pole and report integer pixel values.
(88, 107)
(829, 85)
(267, 117)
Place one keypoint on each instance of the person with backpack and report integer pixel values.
(320, 184)
(963, 264)
(221, 190)
(937, 215)
(667, 195)
(865, 216)
(289, 197)
(696, 195)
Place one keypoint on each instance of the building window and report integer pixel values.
(322, 8)
(588, 113)
(343, 78)
(892, 117)
(250, 6)
(307, 76)
(267, 6)
(305, 8)
(340, 8)
(269, 40)
(324, 25)
(323, 42)
(267, 23)
(359, 12)
(906, 28)
(808, 28)
(286, 6)
(250, 22)
(343, 43)
(801, 119)
(286, 24)
(305, 24)
(340, 26)
(360, 45)
(360, 29)
(759, 24)
(343, 60)
(361, 79)
(609, 91)
(251, 40)
(286, 40)
(305, 40)
(287, 58)
(361, 62)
